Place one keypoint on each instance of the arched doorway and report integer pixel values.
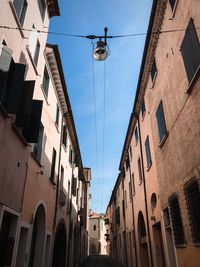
(38, 238)
(142, 238)
(59, 248)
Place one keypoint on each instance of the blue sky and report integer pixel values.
(121, 76)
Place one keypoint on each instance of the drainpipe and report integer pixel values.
(124, 215)
(145, 193)
(58, 179)
(130, 173)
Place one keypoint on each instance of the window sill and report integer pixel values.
(16, 19)
(181, 245)
(140, 182)
(36, 160)
(149, 166)
(193, 81)
(33, 63)
(163, 140)
(174, 11)
(45, 96)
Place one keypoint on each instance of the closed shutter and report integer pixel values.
(32, 43)
(31, 132)
(18, 4)
(190, 49)
(24, 112)
(5, 60)
(53, 165)
(161, 121)
(14, 88)
(148, 152)
(74, 186)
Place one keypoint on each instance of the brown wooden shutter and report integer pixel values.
(31, 132)
(24, 112)
(14, 88)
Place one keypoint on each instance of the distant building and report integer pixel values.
(97, 234)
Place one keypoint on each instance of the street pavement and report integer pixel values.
(100, 261)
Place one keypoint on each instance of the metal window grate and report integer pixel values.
(192, 196)
(176, 221)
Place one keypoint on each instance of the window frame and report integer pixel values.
(45, 82)
(153, 72)
(36, 53)
(193, 209)
(42, 8)
(21, 13)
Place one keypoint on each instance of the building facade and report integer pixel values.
(159, 167)
(97, 234)
(44, 188)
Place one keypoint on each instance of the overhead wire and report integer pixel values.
(95, 113)
(104, 118)
(94, 36)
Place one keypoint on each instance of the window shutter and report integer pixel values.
(5, 60)
(32, 42)
(14, 87)
(53, 165)
(161, 121)
(148, 153)
(74, 186)
(190, 49)
(32, 131)
(24, 112)
(18, 4)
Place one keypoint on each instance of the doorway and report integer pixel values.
(158, 244)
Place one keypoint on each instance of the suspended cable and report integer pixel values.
(95, 113)
(104, 117)
(92, 37)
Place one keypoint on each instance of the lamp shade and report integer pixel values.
(100, 53)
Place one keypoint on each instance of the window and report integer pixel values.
(192, 196)
(61, 177)
(117, 214)
(20, 8)
(45, 82)
(37, 52)
(74, 186)
(94, 227)
(70, 155)
(125, 196)
(172, 4)
(57, 115)
(139, 170)
(127, 163)
(42, 8)
(37, 150)
(130, 153)
(136, 135)
(130, 190)
(176, 221)
(64, 136)
(148, 152)
(153, 71)
(190, 49)
(133, 184)
(53, 165)
(161, 122)
(143, 108)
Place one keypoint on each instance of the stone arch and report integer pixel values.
(142, 239)
(60, 245)
(38, 237)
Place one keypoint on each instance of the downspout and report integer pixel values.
(58, 179)
(124, 216)
(145, 193)
(130, 172)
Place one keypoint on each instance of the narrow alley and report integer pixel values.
(100, 261)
